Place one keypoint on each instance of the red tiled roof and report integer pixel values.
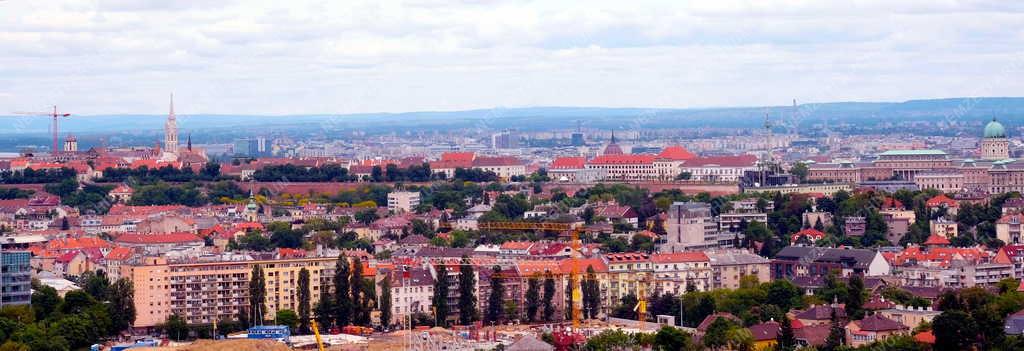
(568, 163)
(810, 233)
(940, 200)
(580, 265)
(925, 337)
(892, 203)
(458, 156)
(516, 245)
(936, 240)
(77, 244)
(1011, 218)
(119, 254)
(168, 238)
(622, 159)
(676, 152)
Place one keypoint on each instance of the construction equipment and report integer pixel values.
(548, 226)
(316, 333)
(54, 128)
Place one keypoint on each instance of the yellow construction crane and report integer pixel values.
(316, 333)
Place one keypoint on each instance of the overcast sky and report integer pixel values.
(296, 57)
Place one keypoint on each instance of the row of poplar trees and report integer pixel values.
(538, 307)
(350, 303)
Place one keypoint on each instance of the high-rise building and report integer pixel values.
(15, 278)
(577, 139)
(171, 131)
(690, 226)
(503, 140)
(403, 201)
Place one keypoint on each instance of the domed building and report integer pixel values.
(612, 148)
(994, 144)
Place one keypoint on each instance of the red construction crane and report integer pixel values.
(55, 128)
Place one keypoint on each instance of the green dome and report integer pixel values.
(995, 130)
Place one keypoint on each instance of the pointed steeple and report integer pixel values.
(171, 130)
(613, 137)
(189, 141)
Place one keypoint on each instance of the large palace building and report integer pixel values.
(994, 172)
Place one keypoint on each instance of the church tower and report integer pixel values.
(994, 144)
(171, 131)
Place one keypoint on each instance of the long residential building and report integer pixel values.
(202, 292)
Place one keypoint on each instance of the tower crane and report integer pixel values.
(54, 128)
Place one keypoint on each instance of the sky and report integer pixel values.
(328, 57)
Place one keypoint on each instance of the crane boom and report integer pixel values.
(54, 128)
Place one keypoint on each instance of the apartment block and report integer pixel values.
(202, 292)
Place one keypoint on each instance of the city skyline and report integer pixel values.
(125, 57)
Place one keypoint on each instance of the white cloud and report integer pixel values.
(121, 56)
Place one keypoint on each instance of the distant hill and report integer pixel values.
(1008, 109)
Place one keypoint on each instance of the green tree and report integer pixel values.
(360, 314)
(613, 339)
(836, 334)
(257, 294)
(671, 338)
(855, 298)
(45, 300)
(467, 298)
(342, 297)
(288, 318)
(717, 334)
(304, 301)
(40, 338)
(800, 170)
(532, 298)
(954, 330)
(440, 300)
(96, 284)
(495, 302)
(77, 330)
(784, 293)
(591, 294)
(176, 328)
(122, 305)
(367, 216)
(549, 297)
(786, 340)
(385, 301)
(324, 310)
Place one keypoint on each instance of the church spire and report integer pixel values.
(171, 130)
(189, 141)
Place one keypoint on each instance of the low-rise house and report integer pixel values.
(794, 261)
(910, 316)
(765, 335)
(871, 329)
(819, 314)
